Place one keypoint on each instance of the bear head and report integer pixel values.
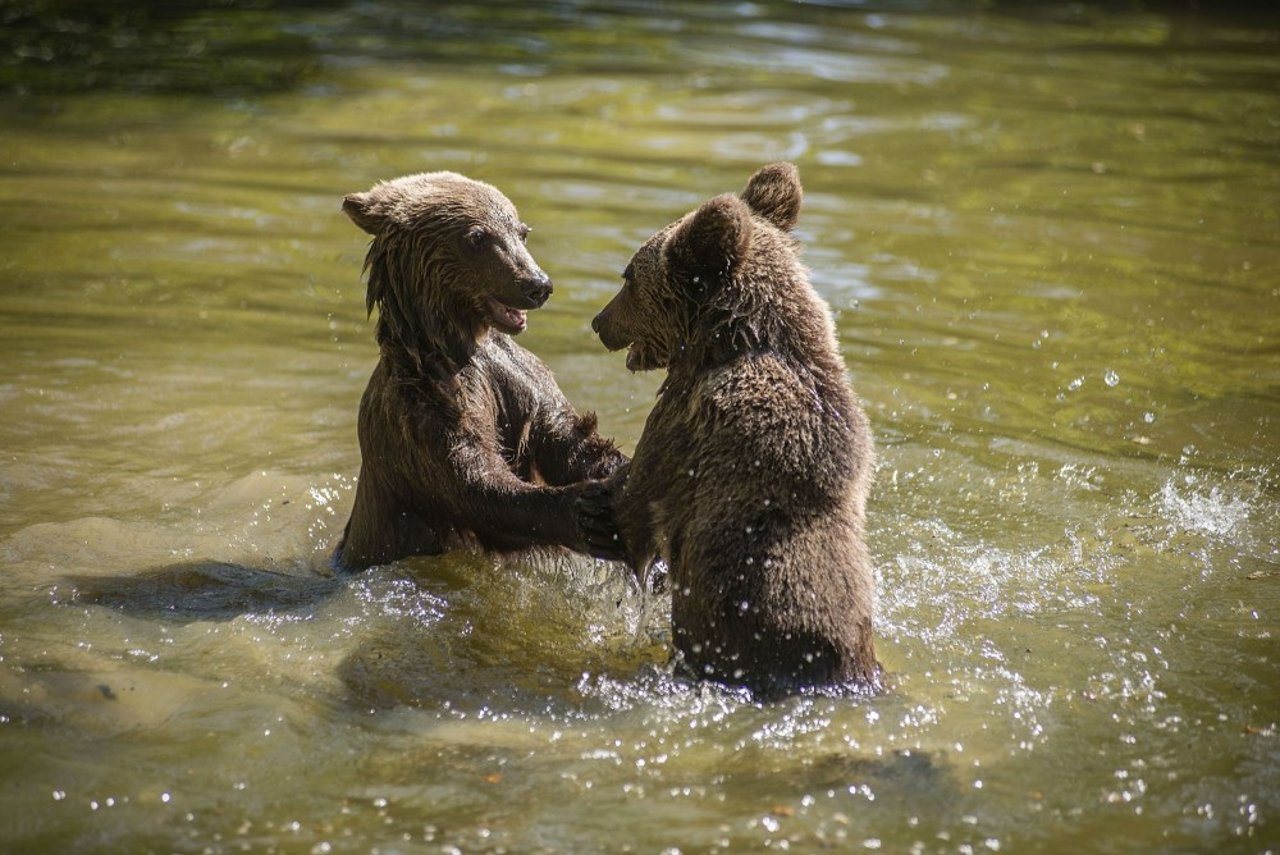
(701, 284)
(447, 251)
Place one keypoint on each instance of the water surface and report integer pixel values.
(1051, 240)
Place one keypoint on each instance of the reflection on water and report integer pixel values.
(1050, 238)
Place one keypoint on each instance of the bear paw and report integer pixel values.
(593, 511)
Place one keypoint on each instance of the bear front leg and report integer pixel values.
(503, 511)
(566, 447)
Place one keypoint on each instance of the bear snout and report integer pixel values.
(536, 288)
(610, 336)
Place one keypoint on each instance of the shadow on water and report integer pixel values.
(902, 779)
(203, 591)
(466, 674)
(477, 636)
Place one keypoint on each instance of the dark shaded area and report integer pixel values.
(187, 46)
(450, 648)
(905, 778)
(227, 48)
(203, 590)
(467, 672)
(239, 47)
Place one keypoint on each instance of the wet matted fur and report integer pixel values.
(465, 438)
(751, 476)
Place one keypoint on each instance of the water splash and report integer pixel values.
(1213, 512)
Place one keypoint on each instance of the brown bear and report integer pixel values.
(465, 438)
(750, 478)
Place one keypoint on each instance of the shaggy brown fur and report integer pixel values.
(751, 476)
(464, 435)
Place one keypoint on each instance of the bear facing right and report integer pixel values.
(751, 475)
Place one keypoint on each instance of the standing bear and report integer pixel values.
(465, 438)
(750, 478)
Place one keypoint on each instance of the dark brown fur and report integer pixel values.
(751, 476)
(464, 435)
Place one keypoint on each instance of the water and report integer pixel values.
(1051, 238)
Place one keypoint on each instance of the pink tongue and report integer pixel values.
(515, 318)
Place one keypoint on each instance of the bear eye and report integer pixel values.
(629, 273)
(477, 237)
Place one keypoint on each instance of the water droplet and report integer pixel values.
(1111, 378)
(1075, 384)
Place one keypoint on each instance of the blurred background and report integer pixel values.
(1049, 234)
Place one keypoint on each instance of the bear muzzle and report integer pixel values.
(536, 288)
(609, 335)
(531, 292)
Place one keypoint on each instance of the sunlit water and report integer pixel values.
(1051, 240)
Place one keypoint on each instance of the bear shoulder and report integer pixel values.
(758, 386)
(766, 414)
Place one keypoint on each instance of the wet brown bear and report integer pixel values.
(750, 478)
(464, 435)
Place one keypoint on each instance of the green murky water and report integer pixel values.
(1051, 237)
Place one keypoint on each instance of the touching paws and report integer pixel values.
(593, 510)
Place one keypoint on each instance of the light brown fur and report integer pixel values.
(751, 477)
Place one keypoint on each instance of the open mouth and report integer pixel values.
(639, 357)
(507, 319)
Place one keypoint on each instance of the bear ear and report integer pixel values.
(774, 193)
(714, 238)
(362, 210)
